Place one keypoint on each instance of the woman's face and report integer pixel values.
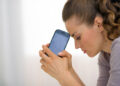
(89, 38)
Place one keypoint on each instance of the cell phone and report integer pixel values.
(59, 41)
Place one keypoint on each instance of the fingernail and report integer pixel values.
(60, 53)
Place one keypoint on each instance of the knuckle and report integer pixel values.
(70, 55)
(44, 49)
(41, 55)
(41, 61)
(40, 52)
(64, 51)
(42, 66)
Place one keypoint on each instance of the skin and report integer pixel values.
(59, 68)
(92, 38)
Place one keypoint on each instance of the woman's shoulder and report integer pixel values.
(115, 43)
(115, 48)
(112, 66)
(103, 58)
(115, 51)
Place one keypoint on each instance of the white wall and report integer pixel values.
(11, 49)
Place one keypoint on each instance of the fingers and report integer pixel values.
(65, 54)
(48, 51)
(47, 44)
(43, 68)
(45, 60)
(43, 56)
(42, 61)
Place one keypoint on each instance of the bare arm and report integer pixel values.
(76, 77)
(70, 79)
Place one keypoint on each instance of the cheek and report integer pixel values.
(90, 39)
(93, 41)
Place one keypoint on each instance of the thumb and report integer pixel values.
(65, 54)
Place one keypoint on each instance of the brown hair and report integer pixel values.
(87, 10)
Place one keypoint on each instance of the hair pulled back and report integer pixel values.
(87, 10)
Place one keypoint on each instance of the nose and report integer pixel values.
(77, 45)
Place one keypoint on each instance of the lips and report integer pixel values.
(84, 51)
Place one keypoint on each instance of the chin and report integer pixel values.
(92, 55)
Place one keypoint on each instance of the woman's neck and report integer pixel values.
(107, 45)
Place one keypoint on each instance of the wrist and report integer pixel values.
(63, 76)
(67, 79)
(64, 79)
(72, 71)
(74, 74)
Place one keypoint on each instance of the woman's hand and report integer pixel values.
(54, 65)
(69, 58)
(59, 67)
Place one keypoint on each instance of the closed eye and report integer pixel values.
(78, 38)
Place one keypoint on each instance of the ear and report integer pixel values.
(98, 21)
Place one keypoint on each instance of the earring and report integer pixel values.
(98, 25)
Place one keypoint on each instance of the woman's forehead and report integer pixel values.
(73, 21)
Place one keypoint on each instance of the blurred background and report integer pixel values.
(24, 26)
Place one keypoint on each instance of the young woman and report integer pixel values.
(95, 27)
